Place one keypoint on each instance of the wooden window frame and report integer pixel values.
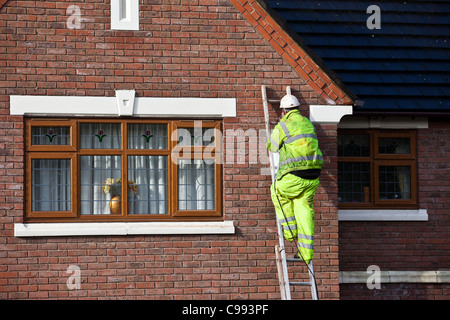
(209, 152)
(50, 123)
(376, 160)
(73, 181)
(74, 152)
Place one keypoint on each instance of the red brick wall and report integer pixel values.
(191, 48)
(408, 245)
(396, 291)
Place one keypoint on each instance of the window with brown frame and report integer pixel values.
(75, 170)
(377, 169)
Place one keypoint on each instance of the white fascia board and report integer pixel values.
(376, 122)
(121, 228)
(383, 215)
(331, 114)
(107, 106)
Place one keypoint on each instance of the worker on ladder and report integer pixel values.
(297, 179)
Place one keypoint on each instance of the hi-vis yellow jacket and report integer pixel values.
(295, 137)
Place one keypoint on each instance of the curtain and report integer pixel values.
(404, 173)
(196, 185)
(147, 136)
(98, 172)
(100, 136)
(95, 172)
(149, 173)
(50, 136)
(51, 185)
(151, 178)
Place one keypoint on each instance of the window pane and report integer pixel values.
(149, 176)
(50, 185)
(196, 185)
(394, 146)
(354, 145)
(147, 136)
(395, 182)
(100, 184)
(100, 135)
(354, 181)
(197, 136)
(50, 136)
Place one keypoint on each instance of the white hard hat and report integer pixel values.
(289, 101)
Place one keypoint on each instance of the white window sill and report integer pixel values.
(121, 228)
(383, 215)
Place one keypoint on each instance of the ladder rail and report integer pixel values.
(281, 249)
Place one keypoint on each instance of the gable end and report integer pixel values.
(296, 56)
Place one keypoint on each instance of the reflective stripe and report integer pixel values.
(300, 136)
(285, 129)
(306, 237)
(274, 144)
(308, 158)
(287, 219)
(305, 245)
(290, 227)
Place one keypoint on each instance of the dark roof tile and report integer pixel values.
(405, 65)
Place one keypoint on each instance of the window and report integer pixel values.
(377, 169)
(124, 14)
(75, 170)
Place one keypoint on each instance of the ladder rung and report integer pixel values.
(294, 260)
(274, 100)
(300, 283)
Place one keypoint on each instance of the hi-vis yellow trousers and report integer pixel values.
(296, 213)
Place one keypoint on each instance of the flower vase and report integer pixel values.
(115, 205)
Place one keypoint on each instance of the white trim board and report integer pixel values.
(387, 122)
(121, 228)
(438, 276)
(328, 114)
(124, 14)
(110, 106)
(383, 215)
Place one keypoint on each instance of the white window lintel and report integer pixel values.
(125, 103)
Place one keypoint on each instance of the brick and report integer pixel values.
(250, 18)
(186, 48)
(260, 10)
(264, 33)
(277, 48)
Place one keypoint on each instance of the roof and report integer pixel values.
(307, 65)
(403, 66)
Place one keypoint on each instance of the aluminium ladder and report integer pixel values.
(280, 252)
